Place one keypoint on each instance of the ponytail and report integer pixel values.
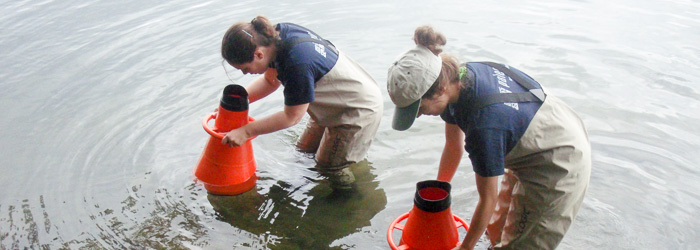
(265, 29)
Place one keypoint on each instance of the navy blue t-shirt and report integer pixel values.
(492, 131)
(301, 66)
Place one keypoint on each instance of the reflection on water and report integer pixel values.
(154, 230)
(281, 218)
(314, 223)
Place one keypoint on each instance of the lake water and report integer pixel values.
(102, 102)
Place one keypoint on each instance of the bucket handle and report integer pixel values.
(212, 132)
(459, 222)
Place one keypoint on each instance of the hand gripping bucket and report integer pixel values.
(430, 224)
(227, 170)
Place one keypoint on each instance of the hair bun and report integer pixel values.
(426, 36)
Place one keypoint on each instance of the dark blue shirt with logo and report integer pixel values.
(302, 65)
(492, 131)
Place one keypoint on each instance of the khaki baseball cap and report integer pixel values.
(410, 76)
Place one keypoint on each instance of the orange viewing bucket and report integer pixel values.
(430, 224)
(227, 170)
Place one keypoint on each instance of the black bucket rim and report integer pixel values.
(234, 98)
(432, 206)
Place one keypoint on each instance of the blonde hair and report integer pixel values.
(427, 37)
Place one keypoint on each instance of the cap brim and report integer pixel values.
(404, 117)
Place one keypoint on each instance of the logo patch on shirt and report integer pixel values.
(320, 49)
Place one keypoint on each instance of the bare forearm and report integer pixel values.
(260, 88)
(277, 121)
(451, 157)
(480, 219)
(272, 123)
(451, 153)
(488, 196)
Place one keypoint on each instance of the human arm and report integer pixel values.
(263, 85)
(290, 116)
(451, 153)
(487, 188)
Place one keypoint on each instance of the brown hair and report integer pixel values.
(433, 40)
(241, 39)
(429, 38)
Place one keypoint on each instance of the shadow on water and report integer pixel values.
(328, 215)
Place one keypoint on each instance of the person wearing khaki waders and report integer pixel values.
(343, 101)
(511, 127)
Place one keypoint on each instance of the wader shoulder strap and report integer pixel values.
(533, 94)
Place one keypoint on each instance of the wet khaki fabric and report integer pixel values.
(546, 178)
(345, 116)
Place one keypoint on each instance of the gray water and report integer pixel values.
(102, 101)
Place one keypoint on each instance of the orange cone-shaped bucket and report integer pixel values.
(430, 224)
(227, 170)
